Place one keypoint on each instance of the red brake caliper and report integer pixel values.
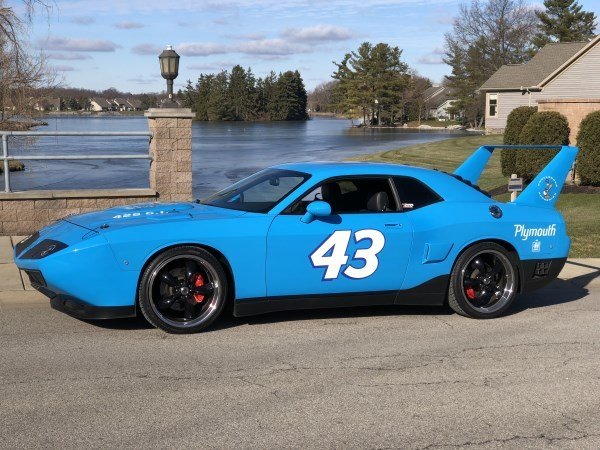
(198, 281)
(470, 293)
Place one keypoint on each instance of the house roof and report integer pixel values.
(436, 96)
(549, 61)
(134, 103)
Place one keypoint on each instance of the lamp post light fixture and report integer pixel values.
(169, 69)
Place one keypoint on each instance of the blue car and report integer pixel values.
(308, 235)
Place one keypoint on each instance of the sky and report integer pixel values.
(97, 44)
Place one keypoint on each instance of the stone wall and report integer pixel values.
(23, 213)
(574, 109)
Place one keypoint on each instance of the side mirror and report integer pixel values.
(317, 208)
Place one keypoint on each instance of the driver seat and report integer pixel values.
(378, 202)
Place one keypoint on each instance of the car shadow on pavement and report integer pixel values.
(558, 292)
(354, 312)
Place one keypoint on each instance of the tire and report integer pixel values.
(183, 290)
(484, 281)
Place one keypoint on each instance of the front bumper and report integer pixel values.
(75, 307)
(81, 310)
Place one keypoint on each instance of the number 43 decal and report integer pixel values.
(337, 245)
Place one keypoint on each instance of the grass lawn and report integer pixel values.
(581, 211)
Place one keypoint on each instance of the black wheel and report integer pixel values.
(183, 290)
(484, 280)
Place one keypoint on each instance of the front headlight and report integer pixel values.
(43, 249)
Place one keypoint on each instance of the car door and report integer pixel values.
(354, 250)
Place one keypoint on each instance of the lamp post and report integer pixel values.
(169, 69)
(378, 115)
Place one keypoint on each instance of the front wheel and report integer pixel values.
(484, 280)
(183, 290)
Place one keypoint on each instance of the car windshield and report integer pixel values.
(259, 192)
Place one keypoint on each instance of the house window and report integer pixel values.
(493, 105)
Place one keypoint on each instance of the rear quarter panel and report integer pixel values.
(443, 230)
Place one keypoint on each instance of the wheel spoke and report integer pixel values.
(190, 269)
(169, 279)
(188, 313)
(497, 267)
(477, 264)
(167, 302)
(205, 289)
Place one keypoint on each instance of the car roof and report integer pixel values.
(334, 168)
(443, 183)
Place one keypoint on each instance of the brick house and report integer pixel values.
(562, 77)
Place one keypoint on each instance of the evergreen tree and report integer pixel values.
(239, 95)
(371, 82)
(564, 21)
(289, 98)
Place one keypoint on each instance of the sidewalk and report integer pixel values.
(15, 286)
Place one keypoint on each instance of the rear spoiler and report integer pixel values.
(545, 187)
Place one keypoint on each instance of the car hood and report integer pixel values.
(145, 213)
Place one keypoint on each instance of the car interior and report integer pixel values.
(352, 195)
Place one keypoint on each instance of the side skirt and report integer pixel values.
(432, 293)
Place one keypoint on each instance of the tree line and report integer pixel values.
(373, 82)
(240, 95)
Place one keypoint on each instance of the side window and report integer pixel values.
(414, 194)
(493, 105)
(351, 195)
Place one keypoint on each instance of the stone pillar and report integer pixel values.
(171, 150)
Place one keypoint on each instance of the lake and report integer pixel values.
(223, 152)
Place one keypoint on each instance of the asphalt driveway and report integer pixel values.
(368, 377)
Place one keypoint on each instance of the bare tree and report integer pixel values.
(22, 71)
(486, 34)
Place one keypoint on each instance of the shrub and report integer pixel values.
(588, 140)
(514, 125)
(542, 128)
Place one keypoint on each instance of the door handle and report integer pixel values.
(393, 225)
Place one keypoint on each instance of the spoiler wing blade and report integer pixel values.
(545, 187)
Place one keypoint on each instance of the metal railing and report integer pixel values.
(6, 157)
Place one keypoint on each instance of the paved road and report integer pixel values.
(372, 378)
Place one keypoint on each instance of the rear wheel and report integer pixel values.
(484, 280)
(183, 290)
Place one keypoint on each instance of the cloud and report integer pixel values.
(83, 20)
(61, 68)
(434, 57)
(142, 80)
(68, 56)
(318, 33)
(78, 45)
(211, 67)
(201, 49)
(248, 36)
(147, 49)
(278, 47)
(128, 25)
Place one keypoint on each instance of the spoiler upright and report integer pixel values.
(545, 187)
